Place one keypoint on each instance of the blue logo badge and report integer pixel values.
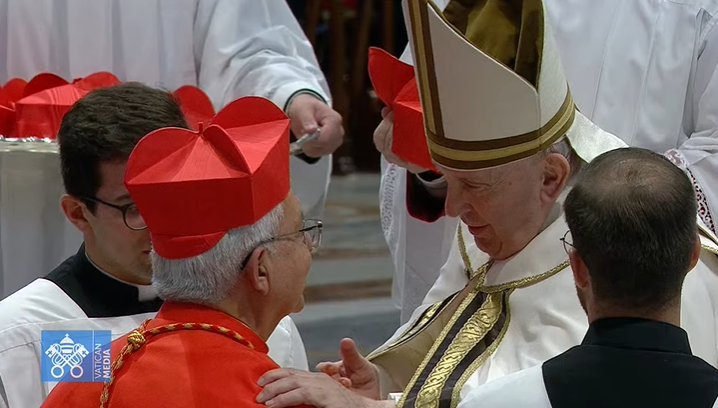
(76, 355)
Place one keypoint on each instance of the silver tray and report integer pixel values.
(28, 144)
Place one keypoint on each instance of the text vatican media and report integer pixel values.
(101, 363)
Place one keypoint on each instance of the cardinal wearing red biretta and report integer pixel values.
(231, 252)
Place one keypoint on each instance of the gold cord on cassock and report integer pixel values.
(470, 272)
(140, 336)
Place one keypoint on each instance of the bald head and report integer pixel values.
(634, 173)
(632, 216)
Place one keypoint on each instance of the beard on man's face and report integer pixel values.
(581, 299)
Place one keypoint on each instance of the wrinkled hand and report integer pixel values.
(383, 138)
(354, 371)
(288, 387)
(307, 113)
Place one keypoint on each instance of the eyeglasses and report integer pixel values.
(130, 214)
(565, 240)
(312, 230)
(312, 234)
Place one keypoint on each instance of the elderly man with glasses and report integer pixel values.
(231, 251)
(107, 284)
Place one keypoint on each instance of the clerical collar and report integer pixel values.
(639, 334)
(144, 292)
(96, 292)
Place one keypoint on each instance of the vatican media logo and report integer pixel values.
(76, 356)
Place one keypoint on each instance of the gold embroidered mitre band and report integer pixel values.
(490, 78)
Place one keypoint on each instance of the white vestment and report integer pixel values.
(229, 48)
(42, 305)
(544, 316)
(412, 252)
(504, 392)
(644, 71)
(525, 389)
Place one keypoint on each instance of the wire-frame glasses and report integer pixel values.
(567, 241)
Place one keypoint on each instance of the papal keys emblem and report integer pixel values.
(64, 354)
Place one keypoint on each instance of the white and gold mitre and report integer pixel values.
(491, 84)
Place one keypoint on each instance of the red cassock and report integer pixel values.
(187, 356)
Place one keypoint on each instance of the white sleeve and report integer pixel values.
(390, 188)
(299, 353)
(253, 47)
(286, 347)
(418, 248)
(502, 392)
(699, 153)
(20, 376)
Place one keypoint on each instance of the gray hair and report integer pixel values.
(563, 147)
(208, 278)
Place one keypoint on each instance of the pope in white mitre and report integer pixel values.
(503, 130)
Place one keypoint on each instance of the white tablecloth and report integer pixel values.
(35, 236)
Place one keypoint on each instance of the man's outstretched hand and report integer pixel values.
(351, 382)
(354, 371)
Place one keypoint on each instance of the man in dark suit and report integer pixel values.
(632, 239)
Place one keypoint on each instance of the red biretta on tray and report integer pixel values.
(395, 85)
(9, 95)
(46, 99)
(36, 108)
(191, 187)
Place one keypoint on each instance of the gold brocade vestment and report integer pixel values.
(434, 358)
